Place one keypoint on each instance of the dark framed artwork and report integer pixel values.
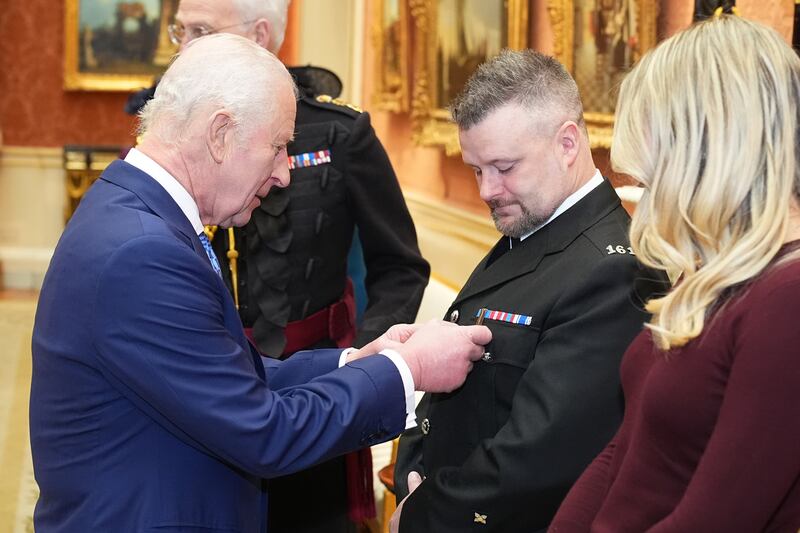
(114, 45)
(599, 41)
(453, 37)
(390, 35)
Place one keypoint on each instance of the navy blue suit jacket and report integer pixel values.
(149, 409)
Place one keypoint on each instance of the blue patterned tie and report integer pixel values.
(210, 253)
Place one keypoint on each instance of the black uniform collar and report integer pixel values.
(313, 81)
(553, 238)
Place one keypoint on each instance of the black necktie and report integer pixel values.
(505, 244)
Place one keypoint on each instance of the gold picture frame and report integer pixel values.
(390, 36)
(116, 46)
(621, 32)
(432, 125)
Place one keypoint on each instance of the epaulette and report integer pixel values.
(326, 99)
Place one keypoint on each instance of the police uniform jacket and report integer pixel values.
(293, 253)
(501, 452)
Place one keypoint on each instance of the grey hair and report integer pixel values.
(275, 11)
(222, 70)
(528, 78)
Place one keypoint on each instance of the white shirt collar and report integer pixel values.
(571, 200)
(170, 184)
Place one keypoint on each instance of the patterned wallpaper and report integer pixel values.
(778, 14)
(36, 111)
(34, 108)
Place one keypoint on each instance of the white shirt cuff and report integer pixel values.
(408, 385)
(343, 357)
(405, 376)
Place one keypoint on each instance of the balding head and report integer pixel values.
(262, 21)
(273, 11)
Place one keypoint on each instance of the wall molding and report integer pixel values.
(453, 240)
(32, 200)
(24, 267)
(444, 218)
(31, 157)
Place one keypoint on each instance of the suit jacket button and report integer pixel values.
(426, 426)
(454, 316)
(487, 356)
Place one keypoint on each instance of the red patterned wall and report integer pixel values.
(34, 108)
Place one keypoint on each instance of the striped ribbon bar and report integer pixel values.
(309, 159)
(502, 316)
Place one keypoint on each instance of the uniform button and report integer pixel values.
(487, 356)
(426, 426)
(454, 316)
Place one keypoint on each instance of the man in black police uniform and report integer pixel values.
(562, 294)
(287, 267)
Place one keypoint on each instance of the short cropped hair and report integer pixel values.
(222, 70)
(275, 11)
(528, 78)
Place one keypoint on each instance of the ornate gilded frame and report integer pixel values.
(76, 79)
(562, 19)
(433, 126)
(392, 97)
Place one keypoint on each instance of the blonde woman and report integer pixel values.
(708, 123)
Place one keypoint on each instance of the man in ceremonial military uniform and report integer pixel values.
(563, 295)
(287, 267)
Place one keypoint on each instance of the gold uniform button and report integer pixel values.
(454, 316)
(426, 426)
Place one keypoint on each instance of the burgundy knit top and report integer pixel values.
(710, 440)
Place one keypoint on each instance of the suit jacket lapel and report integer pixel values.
(158, 200)
(149, 191)
(514, 263)
(552, 238)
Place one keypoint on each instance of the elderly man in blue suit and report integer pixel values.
(149, 409)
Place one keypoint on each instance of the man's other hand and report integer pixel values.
(394, 337)
(440, 354)
(414, 481)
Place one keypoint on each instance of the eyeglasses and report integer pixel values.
(178, 32)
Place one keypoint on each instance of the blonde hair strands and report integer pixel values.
(707, 122)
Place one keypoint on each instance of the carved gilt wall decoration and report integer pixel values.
(390, 36)
(599, 41)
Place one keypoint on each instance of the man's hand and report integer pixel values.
(440, 354)
(414, 481)
(394, 337)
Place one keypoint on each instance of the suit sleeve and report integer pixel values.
(396, 272)
(566, 408)
(161, 340)
(308, 365)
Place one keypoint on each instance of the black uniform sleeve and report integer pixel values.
(396, 272)
(568, 399)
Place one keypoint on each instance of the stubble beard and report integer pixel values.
(524, 224)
